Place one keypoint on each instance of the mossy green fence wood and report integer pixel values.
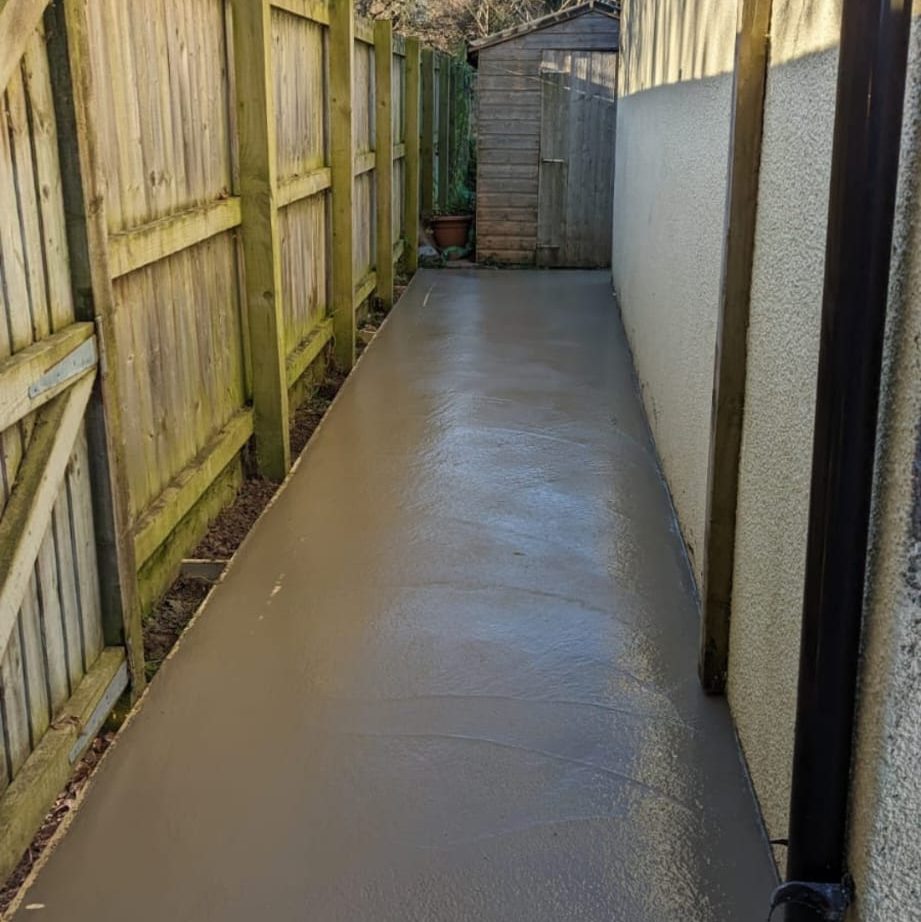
(446, 128)
(207, 261)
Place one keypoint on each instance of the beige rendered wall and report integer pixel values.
(672, 146)
(775, 466)
(886, 808)
(669, 198)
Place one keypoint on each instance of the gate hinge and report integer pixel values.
(829, 902)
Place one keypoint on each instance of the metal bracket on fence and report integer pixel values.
(81, 359)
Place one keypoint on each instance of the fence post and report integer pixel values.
(427, 141)
(383, 157)
(444, 131)
(67, 30)
(411, 163)
(341, 57)
(252, 31)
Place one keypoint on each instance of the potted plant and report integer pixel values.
(451, 224)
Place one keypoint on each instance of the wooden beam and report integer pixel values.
(149, 243)
(308, 351)
(364, 30)
(444, 131)
(18, 21)
(35, 491)
(184, 491)
(25, 803)
(364, 289)
(300, 187)
(341, 56)
(364, 162)
(427, 138)
(83, 189)
(47, 360)
(261, 246)
(411, 162)
(314, 10)
(383, 149)
(732, 341)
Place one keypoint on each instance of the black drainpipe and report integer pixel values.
(865, 157)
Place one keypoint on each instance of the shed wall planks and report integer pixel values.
(509, 131)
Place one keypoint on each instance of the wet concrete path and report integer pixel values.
(451, 674)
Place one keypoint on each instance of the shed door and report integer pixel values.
(578, 115)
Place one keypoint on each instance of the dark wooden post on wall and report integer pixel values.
(751, 63)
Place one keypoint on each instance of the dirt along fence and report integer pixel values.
(197, 197)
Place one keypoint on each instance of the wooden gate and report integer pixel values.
(62, 655)
(576, 179)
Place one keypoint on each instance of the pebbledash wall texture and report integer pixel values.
(669, 202)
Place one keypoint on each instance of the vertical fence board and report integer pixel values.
(341, 54)
(302, 119)
(261, 250)
(444, 132)
(103, 455)
(411, 92)
(427, 140)
(383, 162)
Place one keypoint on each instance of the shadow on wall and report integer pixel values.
(665, 42)
(670, 197)
(672, 149)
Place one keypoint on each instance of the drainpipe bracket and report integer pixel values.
(829, 902)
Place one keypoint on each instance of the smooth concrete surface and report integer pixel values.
(451, 674)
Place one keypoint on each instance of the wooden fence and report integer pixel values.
(196, 198)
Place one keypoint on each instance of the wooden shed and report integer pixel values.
(547, 98)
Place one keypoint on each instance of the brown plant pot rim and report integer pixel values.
(452, 219)
(451, 230)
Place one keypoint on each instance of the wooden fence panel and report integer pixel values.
(57, 633)
(302, 118)
(179, 340)
(163, 114)
(52, 631)
(299, 56)
(364, 208)
(399, 198)
(398, 78)
(166, 152)
(172, 178)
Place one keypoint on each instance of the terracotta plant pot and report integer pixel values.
(451, 230)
